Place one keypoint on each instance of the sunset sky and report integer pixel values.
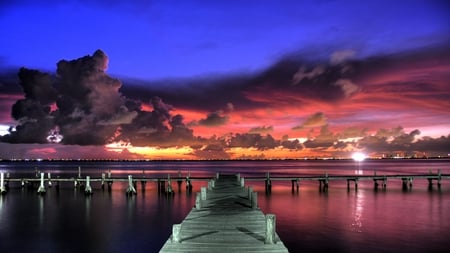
(224, 79)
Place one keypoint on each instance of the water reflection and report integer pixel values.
(358, 212)
(88, 209)
(1, 203)
(41, 210)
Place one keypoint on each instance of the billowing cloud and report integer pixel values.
(212, 151)
(347, 86)
(88, 107)
(316, 120)
(33, 112)
(217, 118)
(214, 119)
(261, 130)
(325, 139)
(341, 56)
(90, 110)
(302, 73)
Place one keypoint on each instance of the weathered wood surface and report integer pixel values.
(226, 222)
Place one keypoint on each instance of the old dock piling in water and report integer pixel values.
(225, 219)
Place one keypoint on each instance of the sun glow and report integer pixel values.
(359, 157)
(157, 153)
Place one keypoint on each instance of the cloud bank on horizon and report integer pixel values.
(275, 114)
(298, 79)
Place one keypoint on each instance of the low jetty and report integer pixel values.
(225, 218)
(42, 180)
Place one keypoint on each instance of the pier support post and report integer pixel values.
(250, 192)
(268, 183)
(49, 180)
(103, 181)
(439, 179)
(169, 189)
(110, 182)
(2, 183)
(203, 193)
(355, 180)
(41, 189)
(295, 182)
(198, 201)
(242, 182)
(130, 190)
(188, 184)
(254, 200)
(430, 184)
(176, 233)
(406, 183)
(162, 185)
(179, 181)
(270, 229)
(88, 188)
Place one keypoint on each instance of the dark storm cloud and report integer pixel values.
(214, 119)
(397, 140)
(325, 139)
(157, 128)
(258, 141)
(89, 103)
(91, 107)
(90, 110)
(211, 151)
(37, 86)
(33, 112)
(217, 118)
(294, 144)
(293, 79)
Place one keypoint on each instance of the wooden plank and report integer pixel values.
(226, 222)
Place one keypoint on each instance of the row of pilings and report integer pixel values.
(165, 185)
(44, 181)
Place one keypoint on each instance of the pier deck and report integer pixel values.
(224, 220)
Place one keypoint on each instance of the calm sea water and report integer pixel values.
(339, 220)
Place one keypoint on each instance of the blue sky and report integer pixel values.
(170, 39)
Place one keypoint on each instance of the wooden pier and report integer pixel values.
(225, 219)
(42, 180)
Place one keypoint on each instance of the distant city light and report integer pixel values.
(358, 156)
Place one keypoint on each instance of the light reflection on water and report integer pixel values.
(338, 220)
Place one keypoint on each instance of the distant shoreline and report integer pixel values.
(211, 160)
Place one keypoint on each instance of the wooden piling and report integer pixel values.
(41, 189)
(130, 190)
(270, 229)
(2, 183)
(254, 200)
(88, 188)
(49, 180)
(176, 233)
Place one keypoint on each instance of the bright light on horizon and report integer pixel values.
(358, 156)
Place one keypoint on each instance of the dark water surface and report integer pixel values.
(339, 220)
